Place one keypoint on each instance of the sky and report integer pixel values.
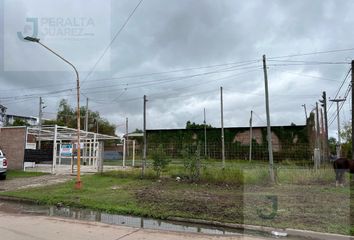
(178, 53)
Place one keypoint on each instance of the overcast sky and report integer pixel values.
(178, 53)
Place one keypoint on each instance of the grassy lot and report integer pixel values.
(12, 174)
(303, 198)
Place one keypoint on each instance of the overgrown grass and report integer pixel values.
(12, 174)
(307, 198)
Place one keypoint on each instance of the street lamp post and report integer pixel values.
(78, 183)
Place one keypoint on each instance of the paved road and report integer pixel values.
(26, 227)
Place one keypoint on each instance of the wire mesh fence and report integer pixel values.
(283, 153)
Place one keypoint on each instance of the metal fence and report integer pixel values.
(233, 151)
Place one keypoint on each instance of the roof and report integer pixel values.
(66, 134)
(134, 135)
(19, 116)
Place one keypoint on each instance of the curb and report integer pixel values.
(289, 231)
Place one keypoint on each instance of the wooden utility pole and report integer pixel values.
(269, 133)
(351, 185)
(318, 154)
(205, 137)
(251, 137)
(86, 115)
(352, 109)
(323, 102)
(144, 149)
(323, 142)
(86, 129)
(222, 130)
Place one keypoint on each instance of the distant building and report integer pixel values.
(10, 119)
(2, 115)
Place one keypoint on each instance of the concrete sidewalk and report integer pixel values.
(26, 227)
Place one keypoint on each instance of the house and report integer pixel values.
(10, 119)
(2, 115)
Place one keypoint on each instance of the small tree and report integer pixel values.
(192, 162)
(20, 122)
(346, 136)
(160, 160)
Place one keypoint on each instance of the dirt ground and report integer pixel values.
(22, 183)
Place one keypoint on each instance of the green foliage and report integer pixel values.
(231, 175)
(346, 136)
(294, 142)
(12, 174)
(332, 142)
(19, 122)
(160, 160)
(192, 162)
(66, 116)
(194, 125)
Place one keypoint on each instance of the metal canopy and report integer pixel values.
(47, 133)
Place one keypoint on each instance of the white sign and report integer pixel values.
(31, 146)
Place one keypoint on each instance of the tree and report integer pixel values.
(138, 131)
(160, 160)
(346, 137)
(67, 116)
(19, 122)
(332, 143)
(194, 125)
(192, 161)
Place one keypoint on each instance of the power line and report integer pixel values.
(311, 76)
(309, 62)
(342, 104)
(193, 86)
(138, 84)
(312, 53)
(344, 80)
(143, 75)
(170, 79)
(114, 38)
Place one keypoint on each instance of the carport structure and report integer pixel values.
(64, 141)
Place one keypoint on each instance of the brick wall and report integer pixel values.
(12, 142)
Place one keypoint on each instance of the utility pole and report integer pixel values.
(126, 137)
(269, 133)
(40, 115)
(144, 149)
(318, 154)
(205, 137)
(338, 100)
(351, 192)
(323, 142)
(323, 102)
(251, 137)
(222, 130)
(352, 109)
(86, 115)
(304, 105)
(86, 129)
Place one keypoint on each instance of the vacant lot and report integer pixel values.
(302, 198)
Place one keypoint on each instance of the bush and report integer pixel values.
(231, 175)
(192, 162)
(160, 160)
